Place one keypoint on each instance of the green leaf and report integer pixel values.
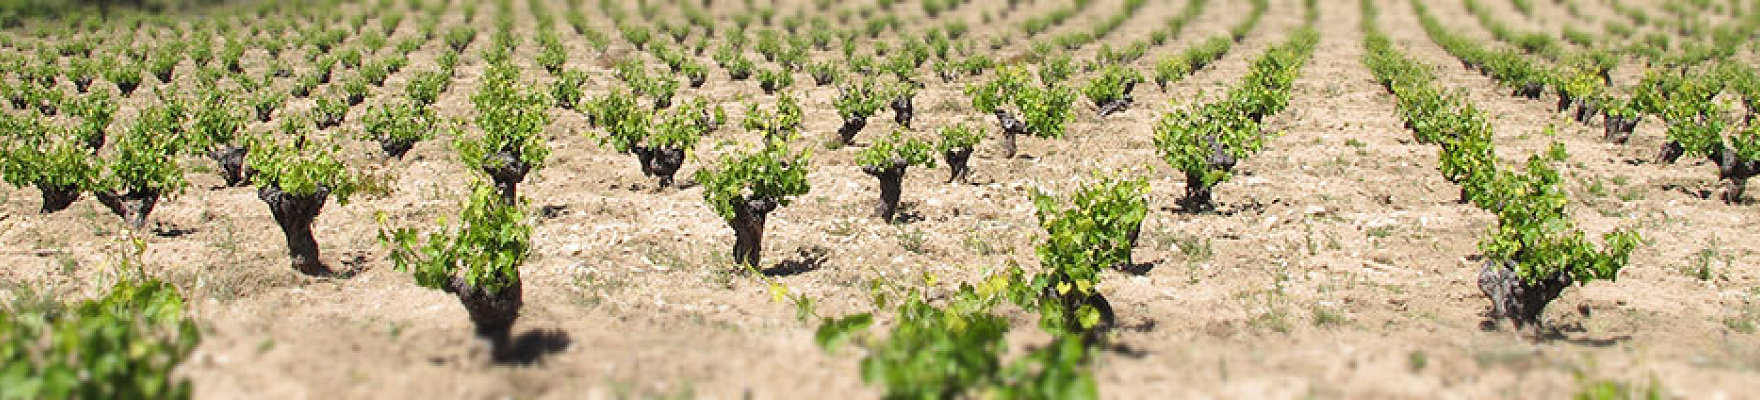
(834, 331)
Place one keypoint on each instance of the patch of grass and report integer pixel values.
(841, 227)
(67, 262)
(1339, 162)
(977, 243)
(1195, 248)
(1700, 265)
(1274, 301)
(1274, 319)
(1595, 188)
(592, 288)
(1615, 390)
(27, 299)
(1747, 320)
(1327, 316)
(1308, 239)
(1379, 232)
(659, 253)
(627, 390)
(913, 240)
(1353, 142)
(1417, 360)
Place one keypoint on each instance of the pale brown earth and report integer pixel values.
(1340, 265)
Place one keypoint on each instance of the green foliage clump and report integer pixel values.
(859, 99)
(485, 250)
(772, 80)
(512, 119)
(124, 345)
(45, 157)
(96, 110)
(774, 173)
(952, 347)
(1095, 232)
(1045, 110)
(683, 127)
(426, 86)
(1196, 141)
(215, 120)
(552, 55)
(1113, 84)
(658, 87)
(460, 36)
(778, 124)
(125, 75)
(329, 111)
(896, 150)
(958, 136)
(399, 122)
(625, 122)
(1535, 239)
(566, 89)
(1536, 233)
(144, 160)
(304, 168)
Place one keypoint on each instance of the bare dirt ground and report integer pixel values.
(1339, 266)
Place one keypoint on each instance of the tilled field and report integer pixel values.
(1337, 263)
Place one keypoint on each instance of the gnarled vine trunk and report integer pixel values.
(1586, 110)
(492, 314)
(231, 161)
(507, 171)
(1121, 103)
(1198, 192)
(846, 134)
(1531, 90)
(1197, 197)
(295, 213)
(644, 157)
(1073, 302)
(132, 206)
(662, 163)
(1619, 129)
(748, 229)
(1515, 298)
(891, 187)
(1131, 237)
(396, 147)
(264, 113)
(957, 160)
(1011, 128)
(902, 111)
(1671, 152)
(1734, 172)
(57, 197)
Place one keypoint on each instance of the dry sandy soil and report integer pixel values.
(1340, 265)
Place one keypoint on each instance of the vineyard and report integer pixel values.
(880, 198)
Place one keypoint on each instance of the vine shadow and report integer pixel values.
(806, 260)
(532, 346)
